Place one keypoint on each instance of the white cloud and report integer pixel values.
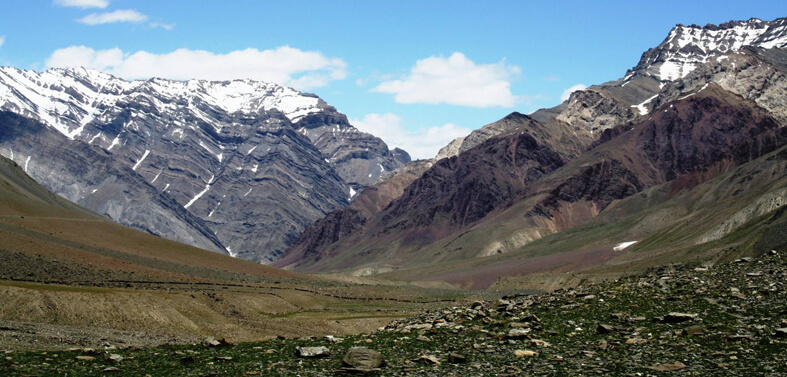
(455, 80)
(421, 143)
(162, 25)
(84, 4)
(284, 65)
(567, 93)
(2, 40)
(120, 15)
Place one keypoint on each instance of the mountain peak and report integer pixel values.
(686, 47)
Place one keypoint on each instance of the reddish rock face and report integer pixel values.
(682, 138)
(699, 137)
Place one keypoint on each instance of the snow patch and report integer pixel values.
(144, 155)
(157, 175)
(199, 195)
(115, 141)
(623, 245)
(641, 107)
(229, 250)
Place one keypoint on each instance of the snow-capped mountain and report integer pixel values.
(689, 58)
(687, 47)
(255, 161)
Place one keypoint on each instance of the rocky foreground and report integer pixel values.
(726, 320)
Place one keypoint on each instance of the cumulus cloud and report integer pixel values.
(284, 65)
(420, 143)
(455, 80)
(84, 4)
(120, 15)
(567, 93)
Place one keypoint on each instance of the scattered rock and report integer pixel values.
(85, 358)
(312, 352)
(782, 332)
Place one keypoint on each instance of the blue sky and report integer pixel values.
(416, 73)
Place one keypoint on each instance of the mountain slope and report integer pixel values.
(700, 136)
(47, 238)
(91, 178)
(724, 109)
(245, 157)
(458, 190)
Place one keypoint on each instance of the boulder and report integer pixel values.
(363, 358)
(312, 352)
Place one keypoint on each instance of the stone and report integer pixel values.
(312, 352)
(115, 358)
(540, 343)
(85, 358)
(694, 330)
(604, 329)
(518, 333)
(419, 326)
(211, 341)
(781, 332)
(363, 358)
(669, 367)
(455, 358)
(428, 359)
(676, 317)
(226, 342)
(423, 338)
(525, 353)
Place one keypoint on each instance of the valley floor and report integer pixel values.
(697, 320)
